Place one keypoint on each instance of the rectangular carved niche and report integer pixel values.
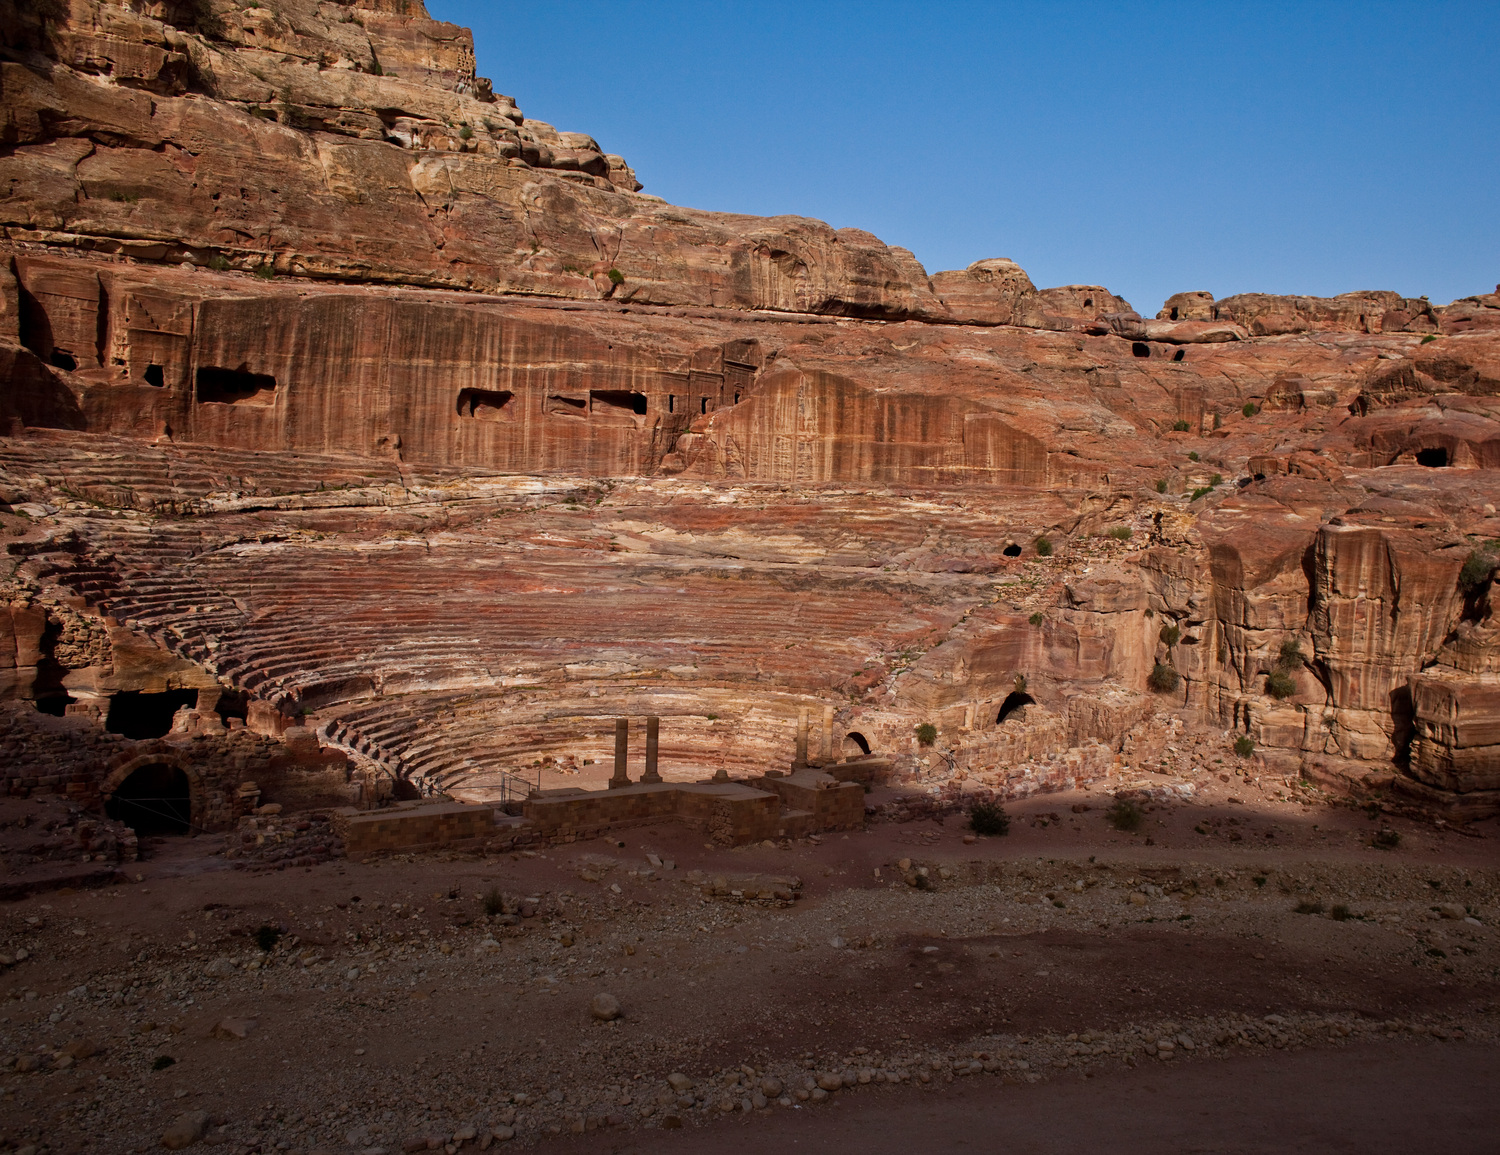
(620, 406)
(562, 405)
(486, 404)
(235, 386)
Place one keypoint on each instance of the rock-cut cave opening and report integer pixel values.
(1012, 550)
(154, 799)
(1140, 349)
(1013, 702)
(138, 716)
(235, 386)
(1435, 458)
(617, 400)
(484, 404)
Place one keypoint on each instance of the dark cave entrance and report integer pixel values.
(1012, 550)
(138, 716)
(1140, 349)
(155, 799)
(235, 386)
(1013, 702)
(856, 745)
(1436, 458)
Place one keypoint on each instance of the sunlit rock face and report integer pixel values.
(396, 412)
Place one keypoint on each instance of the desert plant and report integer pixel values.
(989, 818)
(1243, 746)
(1477, 568)
(1121, 533)
(1125, 815)
(493, 902)
(1279, 684)
(218, 262)
(1428, 339)
(1201, 491)
(1193, 455)
(1387, 839)
(265, 272)
(616, 277)
(1290, 656)
(1163, 679)
(267, 936)
(1169, 634)
(1216, 479)
(1250, 409)
(1306, 907)
(926, 734)
(1161, 485)
(1043, 547)
(1036, 619)
(466, 133)
(1218, 421)
(1180, 427)
(1341, 913)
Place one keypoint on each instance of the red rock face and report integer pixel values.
(332, 374)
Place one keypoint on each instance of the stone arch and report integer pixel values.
(856, 745)
(1013, 702)
(197, 803)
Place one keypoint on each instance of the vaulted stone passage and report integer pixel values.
(1013, 702)
(154, 799)
(856, 745)
(139, 715)
(235, 386)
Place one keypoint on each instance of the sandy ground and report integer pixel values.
(395, 1008)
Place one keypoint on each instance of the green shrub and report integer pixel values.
(265, 272)
(1429, 338)
(1291, 654)
(1218, 421)
(1161, 485)
(1125, 815)
(1279, 684)
(616, 277)
(926, 734)
(1036, 619)
(1306, 907)
(466, 133)
(1163, 679)
(1121, 533)
(218, 262)
(267, 936)
(1193, 455)
(1477, 568)
(1387, 840)
(1043, 547)
(1250, 409)
(1216, 479)
(1201, 491)
(1181, 427)
(1169, 634)
(1243, 746)
(989, 818)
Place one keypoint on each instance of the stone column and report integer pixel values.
(801, 759)
(825, 754)
(622, 753)
(653, 724)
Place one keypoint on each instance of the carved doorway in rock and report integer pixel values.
(153, 799)
(1013, 702)
(856, 745)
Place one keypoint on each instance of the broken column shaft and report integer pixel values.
(653, 724)
(622, 753)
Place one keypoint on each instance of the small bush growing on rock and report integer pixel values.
(1163, 678)
(265, 272)
(1201, 491)
(1279, 684)
(1477, 568)
(1180, 427)
(1306, 907)
(1291, 654)
(1193, 456)
(1161, 485)
(1125, 815)
(989, 818)
(1387, 840)
(1036, 619)
(1043, 547)
(218, 262)
(1216, 479)
(616, 277)
(1218, 421)
(1250, 409)
(1243, 746)
(1429, 338)
(493, 902)
(1169, 634)
(267, 936)
(466, 133)
(1121, 533)
(926, 734)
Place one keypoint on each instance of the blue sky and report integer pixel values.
(1151, 148)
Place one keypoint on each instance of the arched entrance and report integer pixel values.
(855, 745)
(153, 799)
(1013, 702)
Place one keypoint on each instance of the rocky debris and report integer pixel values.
(188, 1128)
(50, 831)
(605, 1007)
(268, 840)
